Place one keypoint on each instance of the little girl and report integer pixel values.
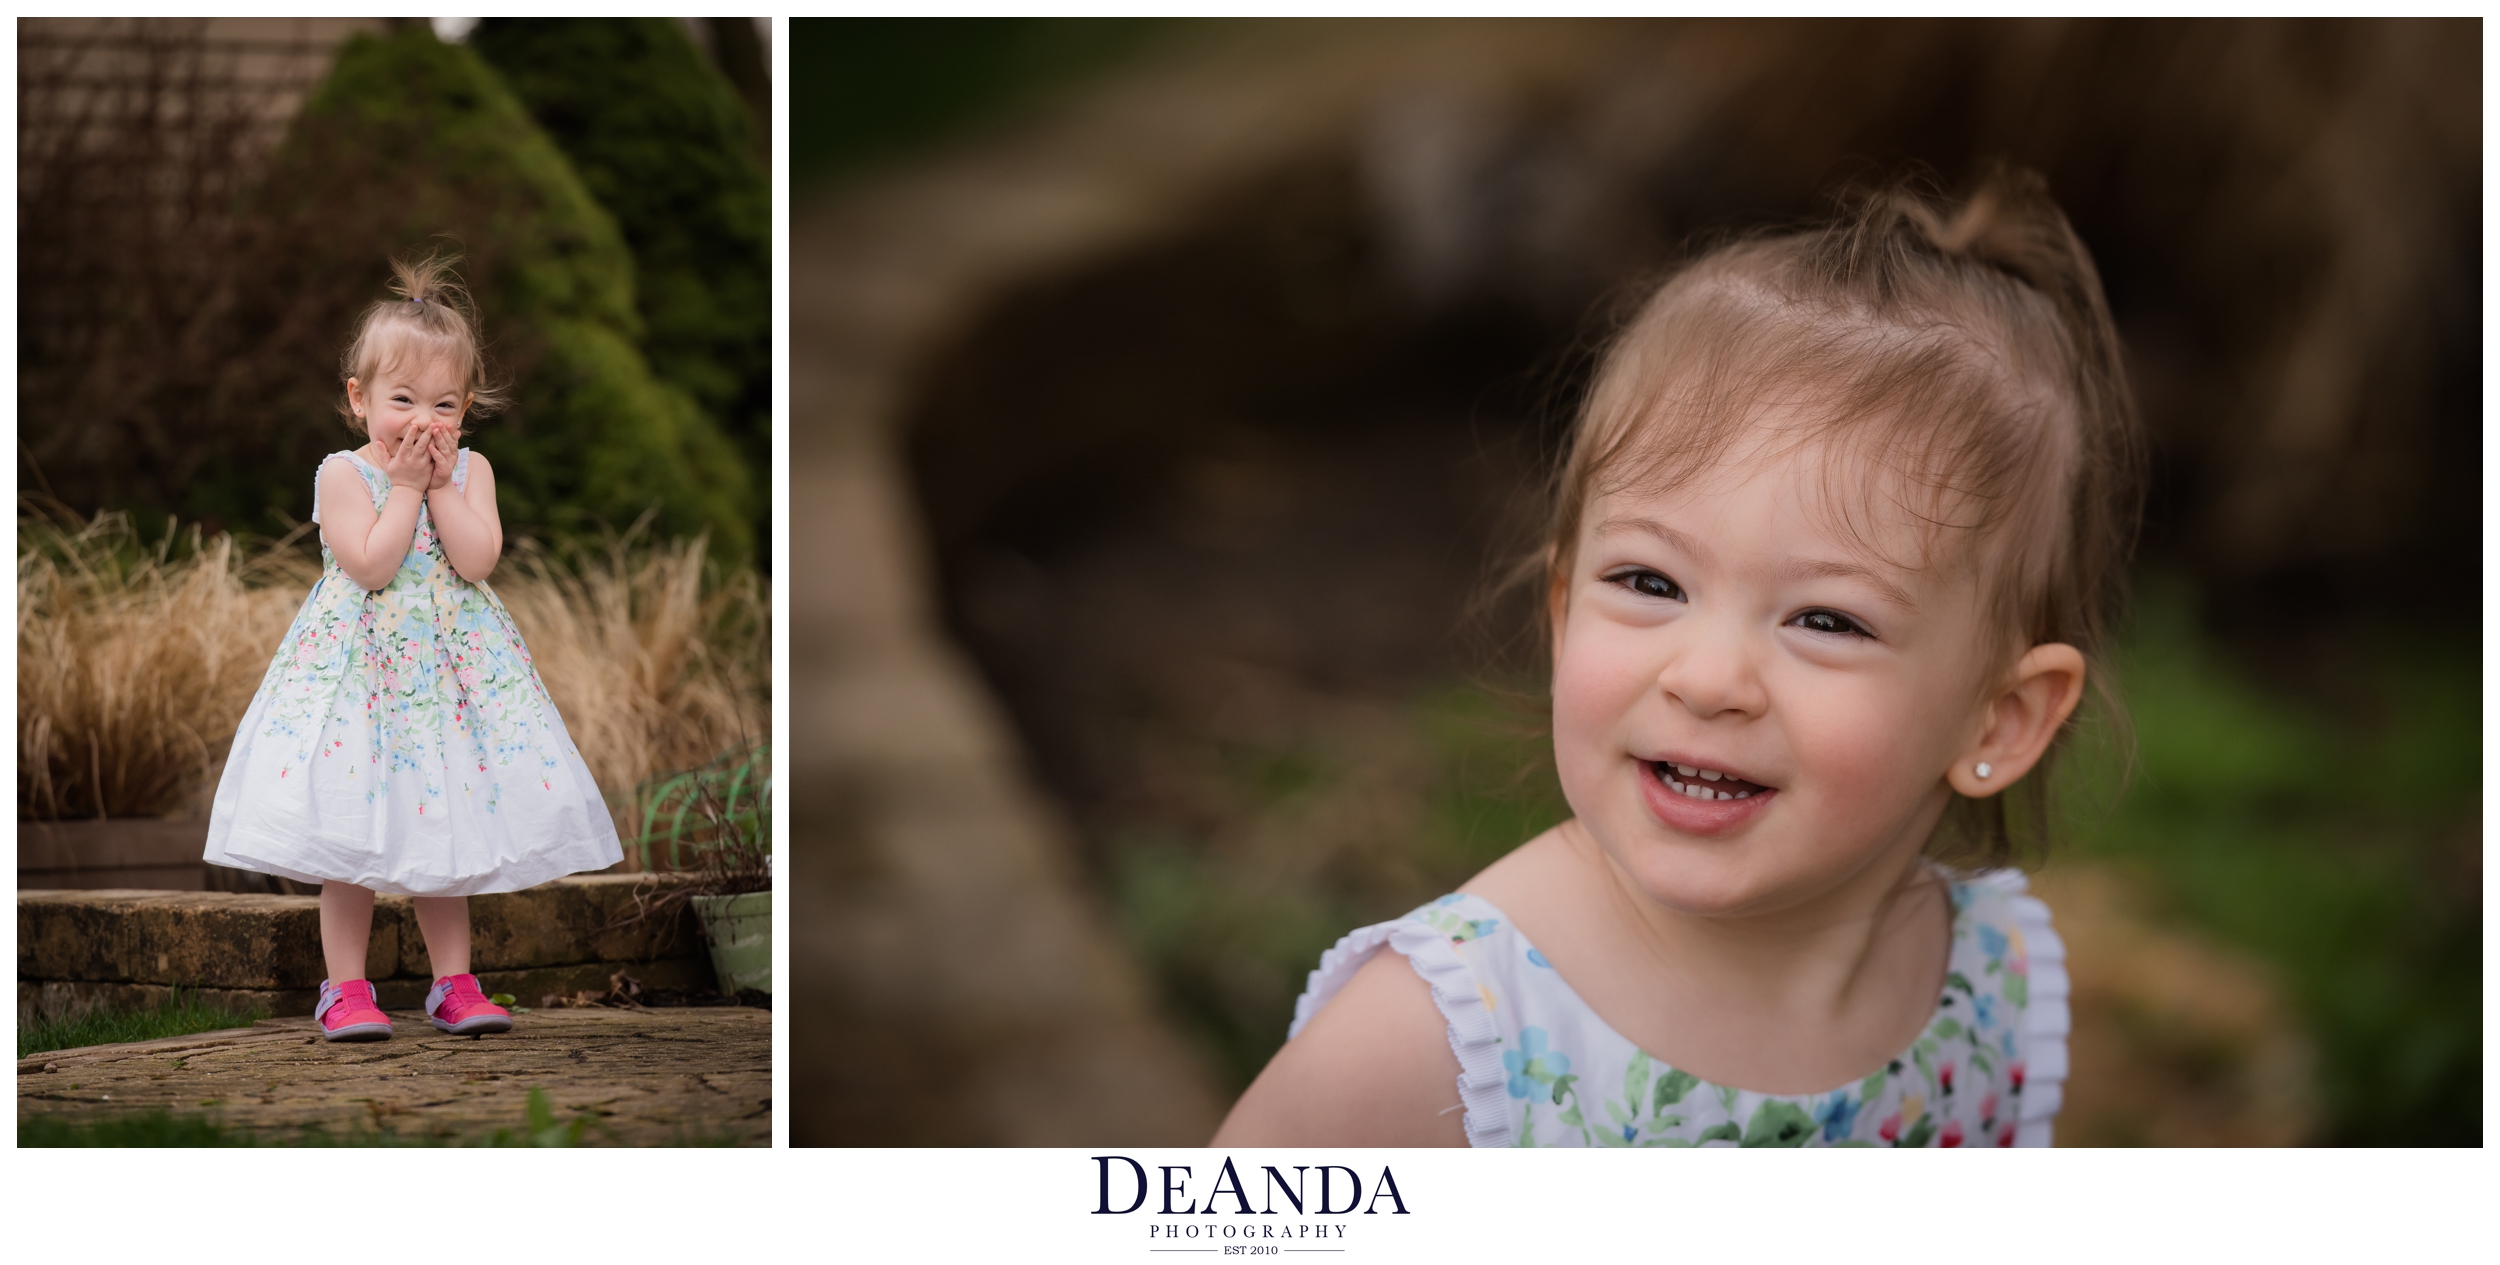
(401, 741)
(1836, 534)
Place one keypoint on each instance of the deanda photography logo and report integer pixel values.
(1279, 1209)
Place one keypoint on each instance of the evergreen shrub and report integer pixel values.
(663, 141)
(413, 144)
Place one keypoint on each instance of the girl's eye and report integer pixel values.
(1650, 584)
(1831, 622)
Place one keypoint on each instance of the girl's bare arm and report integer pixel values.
(1373, 1068)
(466, 522)
(370, 545)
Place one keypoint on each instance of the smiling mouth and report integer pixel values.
(1696, 782)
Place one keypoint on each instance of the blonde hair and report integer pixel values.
(1966, 349)
(431, 317)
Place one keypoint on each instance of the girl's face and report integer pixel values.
(409, 393)
(1752, 707)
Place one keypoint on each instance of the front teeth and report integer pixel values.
(1695, 791)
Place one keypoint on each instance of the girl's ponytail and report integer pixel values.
(2010, 228)
(431, 316)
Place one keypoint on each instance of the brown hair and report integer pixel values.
(431, 317)
(1967, 349)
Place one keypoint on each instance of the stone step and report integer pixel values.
(544, 986)
(673, 1076)
(567, 936)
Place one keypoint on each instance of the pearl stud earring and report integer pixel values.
(1982, 770)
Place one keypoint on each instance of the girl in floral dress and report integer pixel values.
(1835, 541)
(401, 741)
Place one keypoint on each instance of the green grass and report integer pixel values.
(1228, 944)
(2334, 833)
(160, 1128)
(152, 1128)
(1493, 786)
(540, 1127)
(181, 1015)
(1231, 925)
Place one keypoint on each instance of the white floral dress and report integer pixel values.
(1537, 1067)
(402, 741)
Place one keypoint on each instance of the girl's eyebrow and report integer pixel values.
(1665, 535)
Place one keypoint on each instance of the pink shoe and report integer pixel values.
(347, 1013)
(457, 1007)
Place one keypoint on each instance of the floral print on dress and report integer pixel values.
(1570, 1080)
(1532, 1066)
(434, 654)
(402, 740)
(1459, 930)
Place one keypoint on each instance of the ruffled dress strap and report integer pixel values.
(1431, 939)
(2047, 1017)
(2037, 956)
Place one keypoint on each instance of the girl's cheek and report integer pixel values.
(1853, 745)
(1598, 680)
(1580, 710)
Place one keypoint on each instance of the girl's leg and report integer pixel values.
(346, 927)
(444, 921)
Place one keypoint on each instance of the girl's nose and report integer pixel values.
(1713, 670)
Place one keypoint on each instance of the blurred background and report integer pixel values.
(1166, 394)
(204, 208)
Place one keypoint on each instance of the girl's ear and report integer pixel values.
(356, 397)
(2021, 721)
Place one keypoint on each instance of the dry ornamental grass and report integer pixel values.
(138, 658)
(136, 662)
(653, 668)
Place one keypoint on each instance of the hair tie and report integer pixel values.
(417, 301)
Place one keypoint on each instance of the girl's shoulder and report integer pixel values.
(1418, 935)
(350, 461)
(349, 466)
(1455, 944)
